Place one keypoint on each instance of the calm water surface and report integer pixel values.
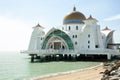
(17, 66)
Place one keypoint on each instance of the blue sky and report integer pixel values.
(18, 17)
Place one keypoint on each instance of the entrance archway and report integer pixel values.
(56, 43)
(58, 33)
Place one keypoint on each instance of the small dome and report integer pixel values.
(74, 17)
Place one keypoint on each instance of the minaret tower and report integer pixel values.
(37, 37)
(94, 30)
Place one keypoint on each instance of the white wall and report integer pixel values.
(36, 39)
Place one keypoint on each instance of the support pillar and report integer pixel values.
(57, 57)
(40, 58)
(70, 57)
(109, 56)
(65, 57)
(74, 57)
(60, 57)
(32, 58)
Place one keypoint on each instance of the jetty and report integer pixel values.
(58, 55)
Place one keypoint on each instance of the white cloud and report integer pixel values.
(116, 17)
(14, 34)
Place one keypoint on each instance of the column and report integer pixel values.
(109, 56)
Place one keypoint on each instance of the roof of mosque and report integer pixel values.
(75, 16)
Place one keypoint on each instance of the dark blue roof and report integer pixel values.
(73, 21)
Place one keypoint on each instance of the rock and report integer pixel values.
(107, 72)
(114, 72)
(114, 78)
(105, 77)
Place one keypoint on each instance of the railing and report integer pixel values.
(51, 51)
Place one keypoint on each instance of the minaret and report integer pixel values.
(36, 38)
(94, 30)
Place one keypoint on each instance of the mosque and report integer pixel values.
(77, 36)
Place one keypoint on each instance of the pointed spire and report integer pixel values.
(74, 8)
(38, 25)
(90, 17)
(106, 28)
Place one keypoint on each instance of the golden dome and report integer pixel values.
(74, 15)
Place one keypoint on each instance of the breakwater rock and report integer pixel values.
(112, 70)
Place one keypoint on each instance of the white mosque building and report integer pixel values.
(77, 36)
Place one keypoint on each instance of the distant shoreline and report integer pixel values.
(67, 73)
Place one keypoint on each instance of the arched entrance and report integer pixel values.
(57, 37)
(56, 43)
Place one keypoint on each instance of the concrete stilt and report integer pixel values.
(65, 56)
(79, 57)
(109, 56)
(73, 57)
(60, 57)
(49, 57)
(69, 57)
(40, 58)
(76, 57)
(32, 58)
(53, 57)
(57, 57)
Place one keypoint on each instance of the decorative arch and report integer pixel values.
(61, 34)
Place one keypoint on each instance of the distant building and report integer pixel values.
(78, 35)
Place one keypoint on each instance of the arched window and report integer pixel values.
(96, 46)
(69, 28)
(76, 27)
(88, 46)
(51, 46)
(88, 42)
(75, 36)
(89, 35)
(75, 43)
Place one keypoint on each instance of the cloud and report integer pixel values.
(116, 17)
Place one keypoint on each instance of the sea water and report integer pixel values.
(17, 66)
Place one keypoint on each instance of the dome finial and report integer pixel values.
(90, 16)
(74, 8)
